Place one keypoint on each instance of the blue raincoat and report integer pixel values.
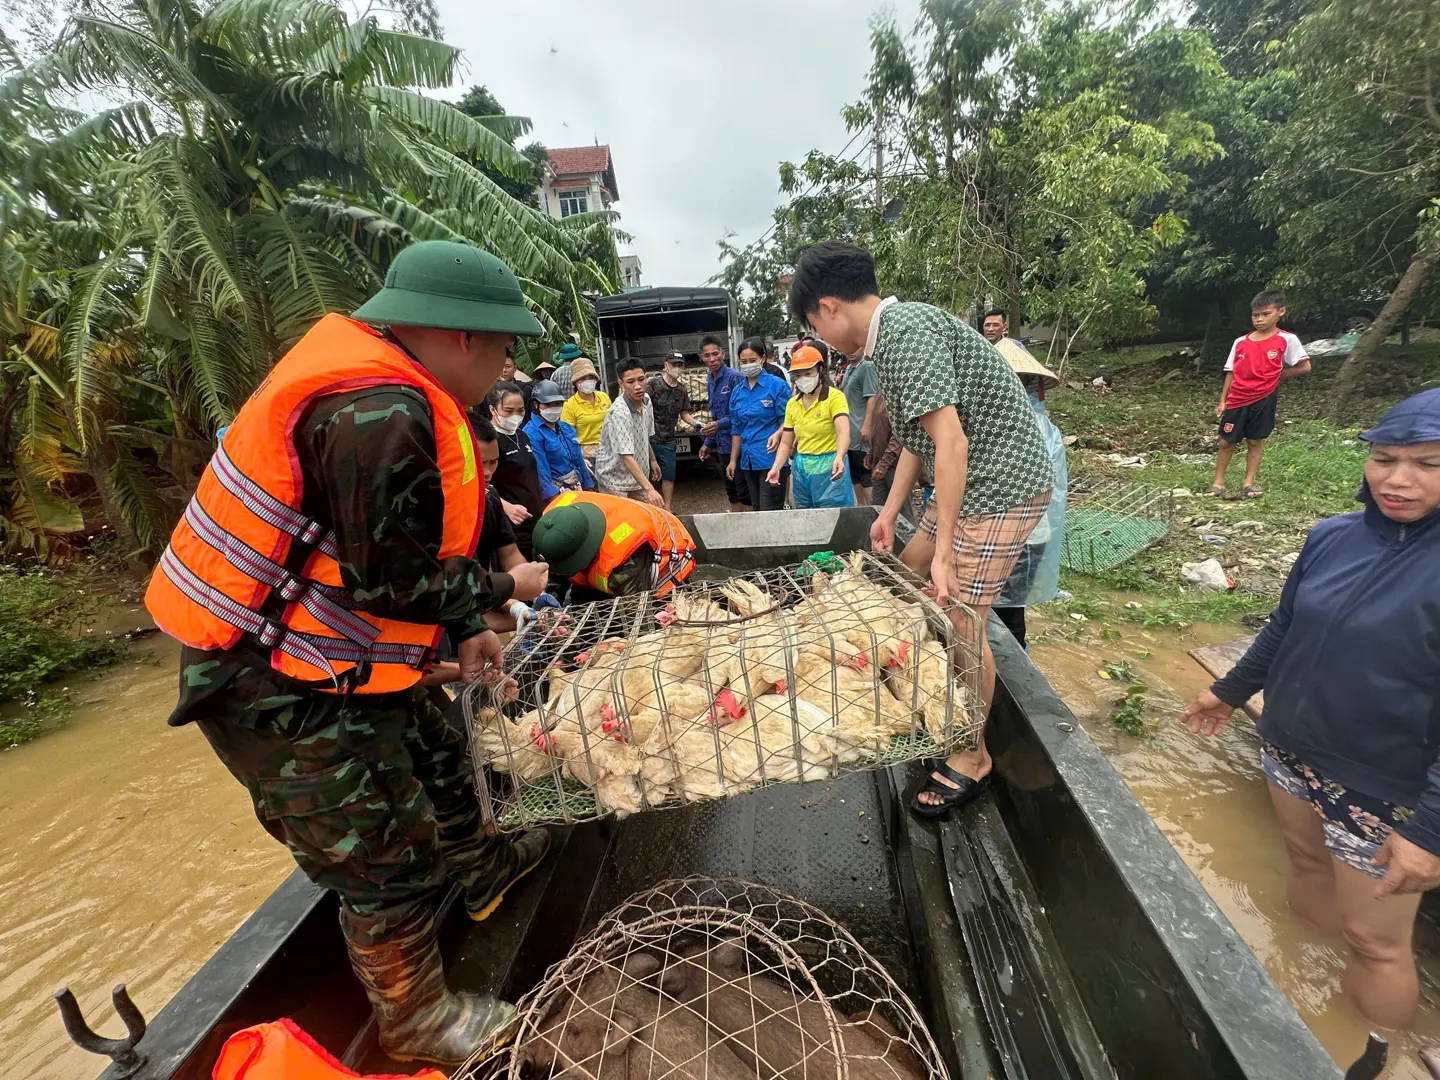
(1036, 577)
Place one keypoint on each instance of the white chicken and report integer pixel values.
(856, 699)
(923, 683)
(883, 628)
(696, 759)
(606, 764)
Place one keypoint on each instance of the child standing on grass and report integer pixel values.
(1257, 363)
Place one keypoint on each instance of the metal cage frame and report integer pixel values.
(592, 650)
(800, 997)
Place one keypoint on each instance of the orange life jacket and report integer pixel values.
(245, 560)
(280, 1050)
(628, 524)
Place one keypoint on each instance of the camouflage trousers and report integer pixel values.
(374, 798)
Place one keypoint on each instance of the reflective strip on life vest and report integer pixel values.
(310, 648)
(270, 509)
(291, 588)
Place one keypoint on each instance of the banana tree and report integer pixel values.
(261, 164)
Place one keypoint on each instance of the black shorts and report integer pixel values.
(1254, 421)
(859, 474)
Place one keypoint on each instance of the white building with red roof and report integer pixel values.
(580, 179)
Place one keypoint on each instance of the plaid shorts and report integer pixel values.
(986, 547)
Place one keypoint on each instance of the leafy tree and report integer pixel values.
(259, 165)
(1032, 158)
(1353, 177)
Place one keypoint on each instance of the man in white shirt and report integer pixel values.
(624, 462)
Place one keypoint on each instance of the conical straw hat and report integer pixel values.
(1025, 364)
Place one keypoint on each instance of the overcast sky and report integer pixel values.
(699, 100)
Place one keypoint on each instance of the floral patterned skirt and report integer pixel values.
(1355, 824)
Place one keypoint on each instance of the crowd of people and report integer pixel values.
(338, 555)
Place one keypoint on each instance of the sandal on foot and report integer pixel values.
(968, 790)
(1251, 491)
(1217, 491)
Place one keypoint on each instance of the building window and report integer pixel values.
(573, 202)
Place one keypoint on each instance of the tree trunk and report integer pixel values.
(1358, 363)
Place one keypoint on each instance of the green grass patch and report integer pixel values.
(1160, 403)
(43, 637)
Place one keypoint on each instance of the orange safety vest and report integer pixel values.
(280, 1050)
(245, 560)
(628, 524)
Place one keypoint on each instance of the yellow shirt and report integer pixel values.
(814, 426)
(586, 417)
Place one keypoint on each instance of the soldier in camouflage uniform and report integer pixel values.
(373, 793)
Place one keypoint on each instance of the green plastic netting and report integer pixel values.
(1108, 523)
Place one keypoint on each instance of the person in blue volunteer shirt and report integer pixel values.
(1351, 720)
(757, 415)
(722, 379)
(558, 460)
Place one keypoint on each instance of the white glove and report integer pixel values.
(522, 613)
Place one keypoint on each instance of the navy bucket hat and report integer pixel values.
(1414, 420)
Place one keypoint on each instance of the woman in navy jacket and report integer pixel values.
(1350, 666)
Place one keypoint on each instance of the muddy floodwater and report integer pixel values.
(1209, 799)
(127, 854)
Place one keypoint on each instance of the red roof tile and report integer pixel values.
(574, 160)
(585, 161)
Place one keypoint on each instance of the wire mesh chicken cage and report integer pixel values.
(1108, 522)
(714, 979)
(783, 675)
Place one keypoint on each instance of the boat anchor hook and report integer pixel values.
(127, 1060)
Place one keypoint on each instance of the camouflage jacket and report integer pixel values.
(368, 462)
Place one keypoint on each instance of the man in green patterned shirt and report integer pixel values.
(957, 406)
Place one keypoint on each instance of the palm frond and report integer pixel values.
(303, 279)
(96, 309)
(40, 508)
(504, 125)
(96, 54)
(281, 33)
(113, 132)
(184, 187)
(395, 58)
(453, 129)
(139, 499)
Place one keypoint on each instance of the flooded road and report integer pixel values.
(1209, 799)
(128, 854)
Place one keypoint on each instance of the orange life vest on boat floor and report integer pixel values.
(245, 560)
(628, 524)
(280, 1050)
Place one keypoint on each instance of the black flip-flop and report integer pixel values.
(968, 790)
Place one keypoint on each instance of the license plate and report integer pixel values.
(682, 446)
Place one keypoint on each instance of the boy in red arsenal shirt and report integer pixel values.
(1257, 363)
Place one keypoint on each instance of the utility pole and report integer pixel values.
(879, 157)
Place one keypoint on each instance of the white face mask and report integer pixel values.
(671, 376)
(806, 384)
(508, 424)
(550, 414)
(586, 386)
(751, 370)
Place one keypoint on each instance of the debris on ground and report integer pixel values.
(1207, 575)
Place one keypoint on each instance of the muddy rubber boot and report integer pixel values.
(419, 1017)
(515, 860)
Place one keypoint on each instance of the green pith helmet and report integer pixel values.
(449, 286)
(569, 537)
